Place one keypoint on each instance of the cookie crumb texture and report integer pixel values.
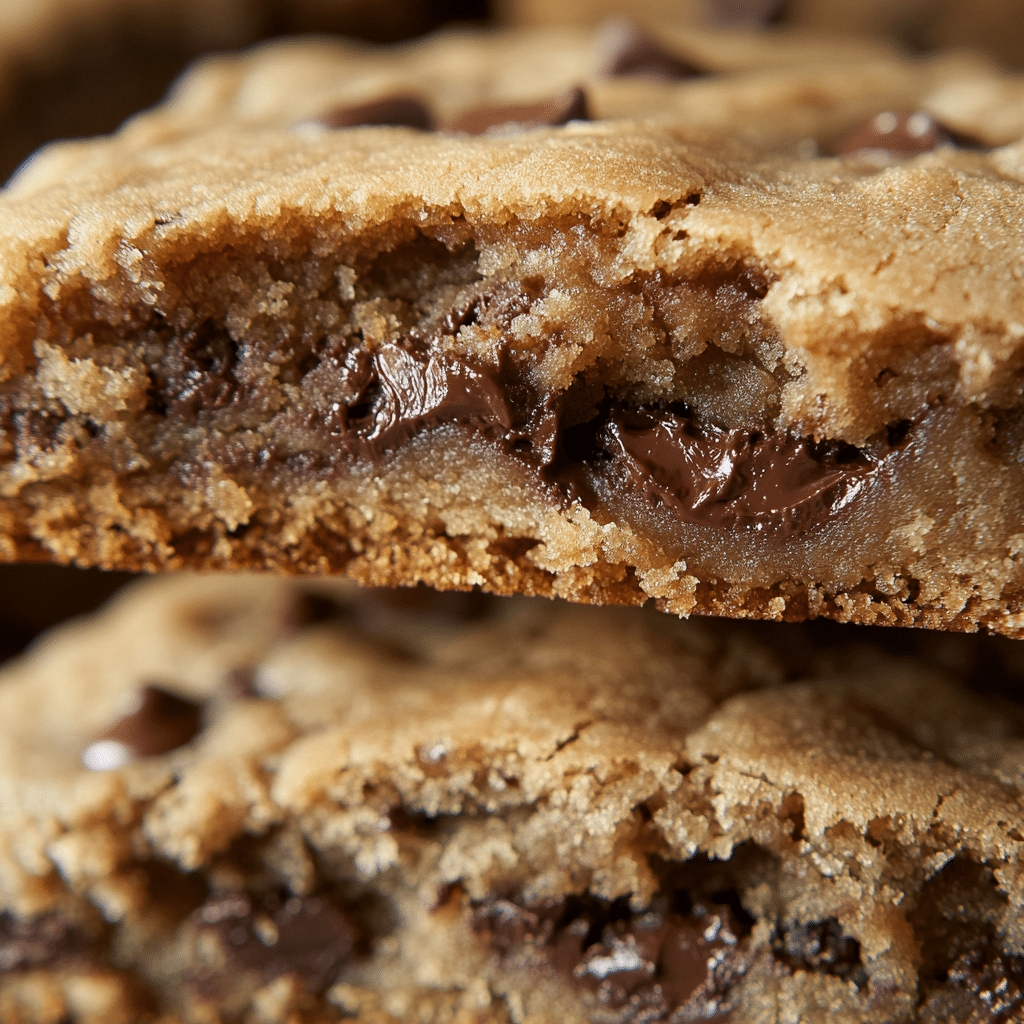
(615, 361)
(445, 807)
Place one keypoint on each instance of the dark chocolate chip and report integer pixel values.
(159, 721)
(630, 51)
(397, 111)
(42, 942)
(746, 13)
(756, 478)
(665, 959)
(302, 935)
(403, 388)
(893, 134)
(570, 106)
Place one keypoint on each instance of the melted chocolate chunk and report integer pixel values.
(727, 478)
(401, 390)
(654, 963)
(664, 962)
(892, 135)
(159, 722)
(42, 942)
(270, 936)
(395, 111)
(760, 479)
(631, 52)
(202, 366)
(994, 980)
(571, 106)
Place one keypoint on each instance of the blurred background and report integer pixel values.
(73, 68)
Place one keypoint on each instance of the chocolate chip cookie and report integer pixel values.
(613, 319)
(247, 798)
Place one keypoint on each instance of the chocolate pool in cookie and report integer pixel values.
(665, 323)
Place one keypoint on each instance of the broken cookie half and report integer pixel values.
(613, 358)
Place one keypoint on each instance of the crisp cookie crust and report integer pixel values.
(396, 806)
(676, 358)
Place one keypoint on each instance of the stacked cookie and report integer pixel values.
(694, 321)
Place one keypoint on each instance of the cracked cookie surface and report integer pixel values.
(406, 805)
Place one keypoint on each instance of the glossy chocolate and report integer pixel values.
(726, 478)
(404, 388)
(664, 960)
(396, 111)
(758, 479)
(893, 135)
(570, 106)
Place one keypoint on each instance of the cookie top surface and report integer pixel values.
(459, 757)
